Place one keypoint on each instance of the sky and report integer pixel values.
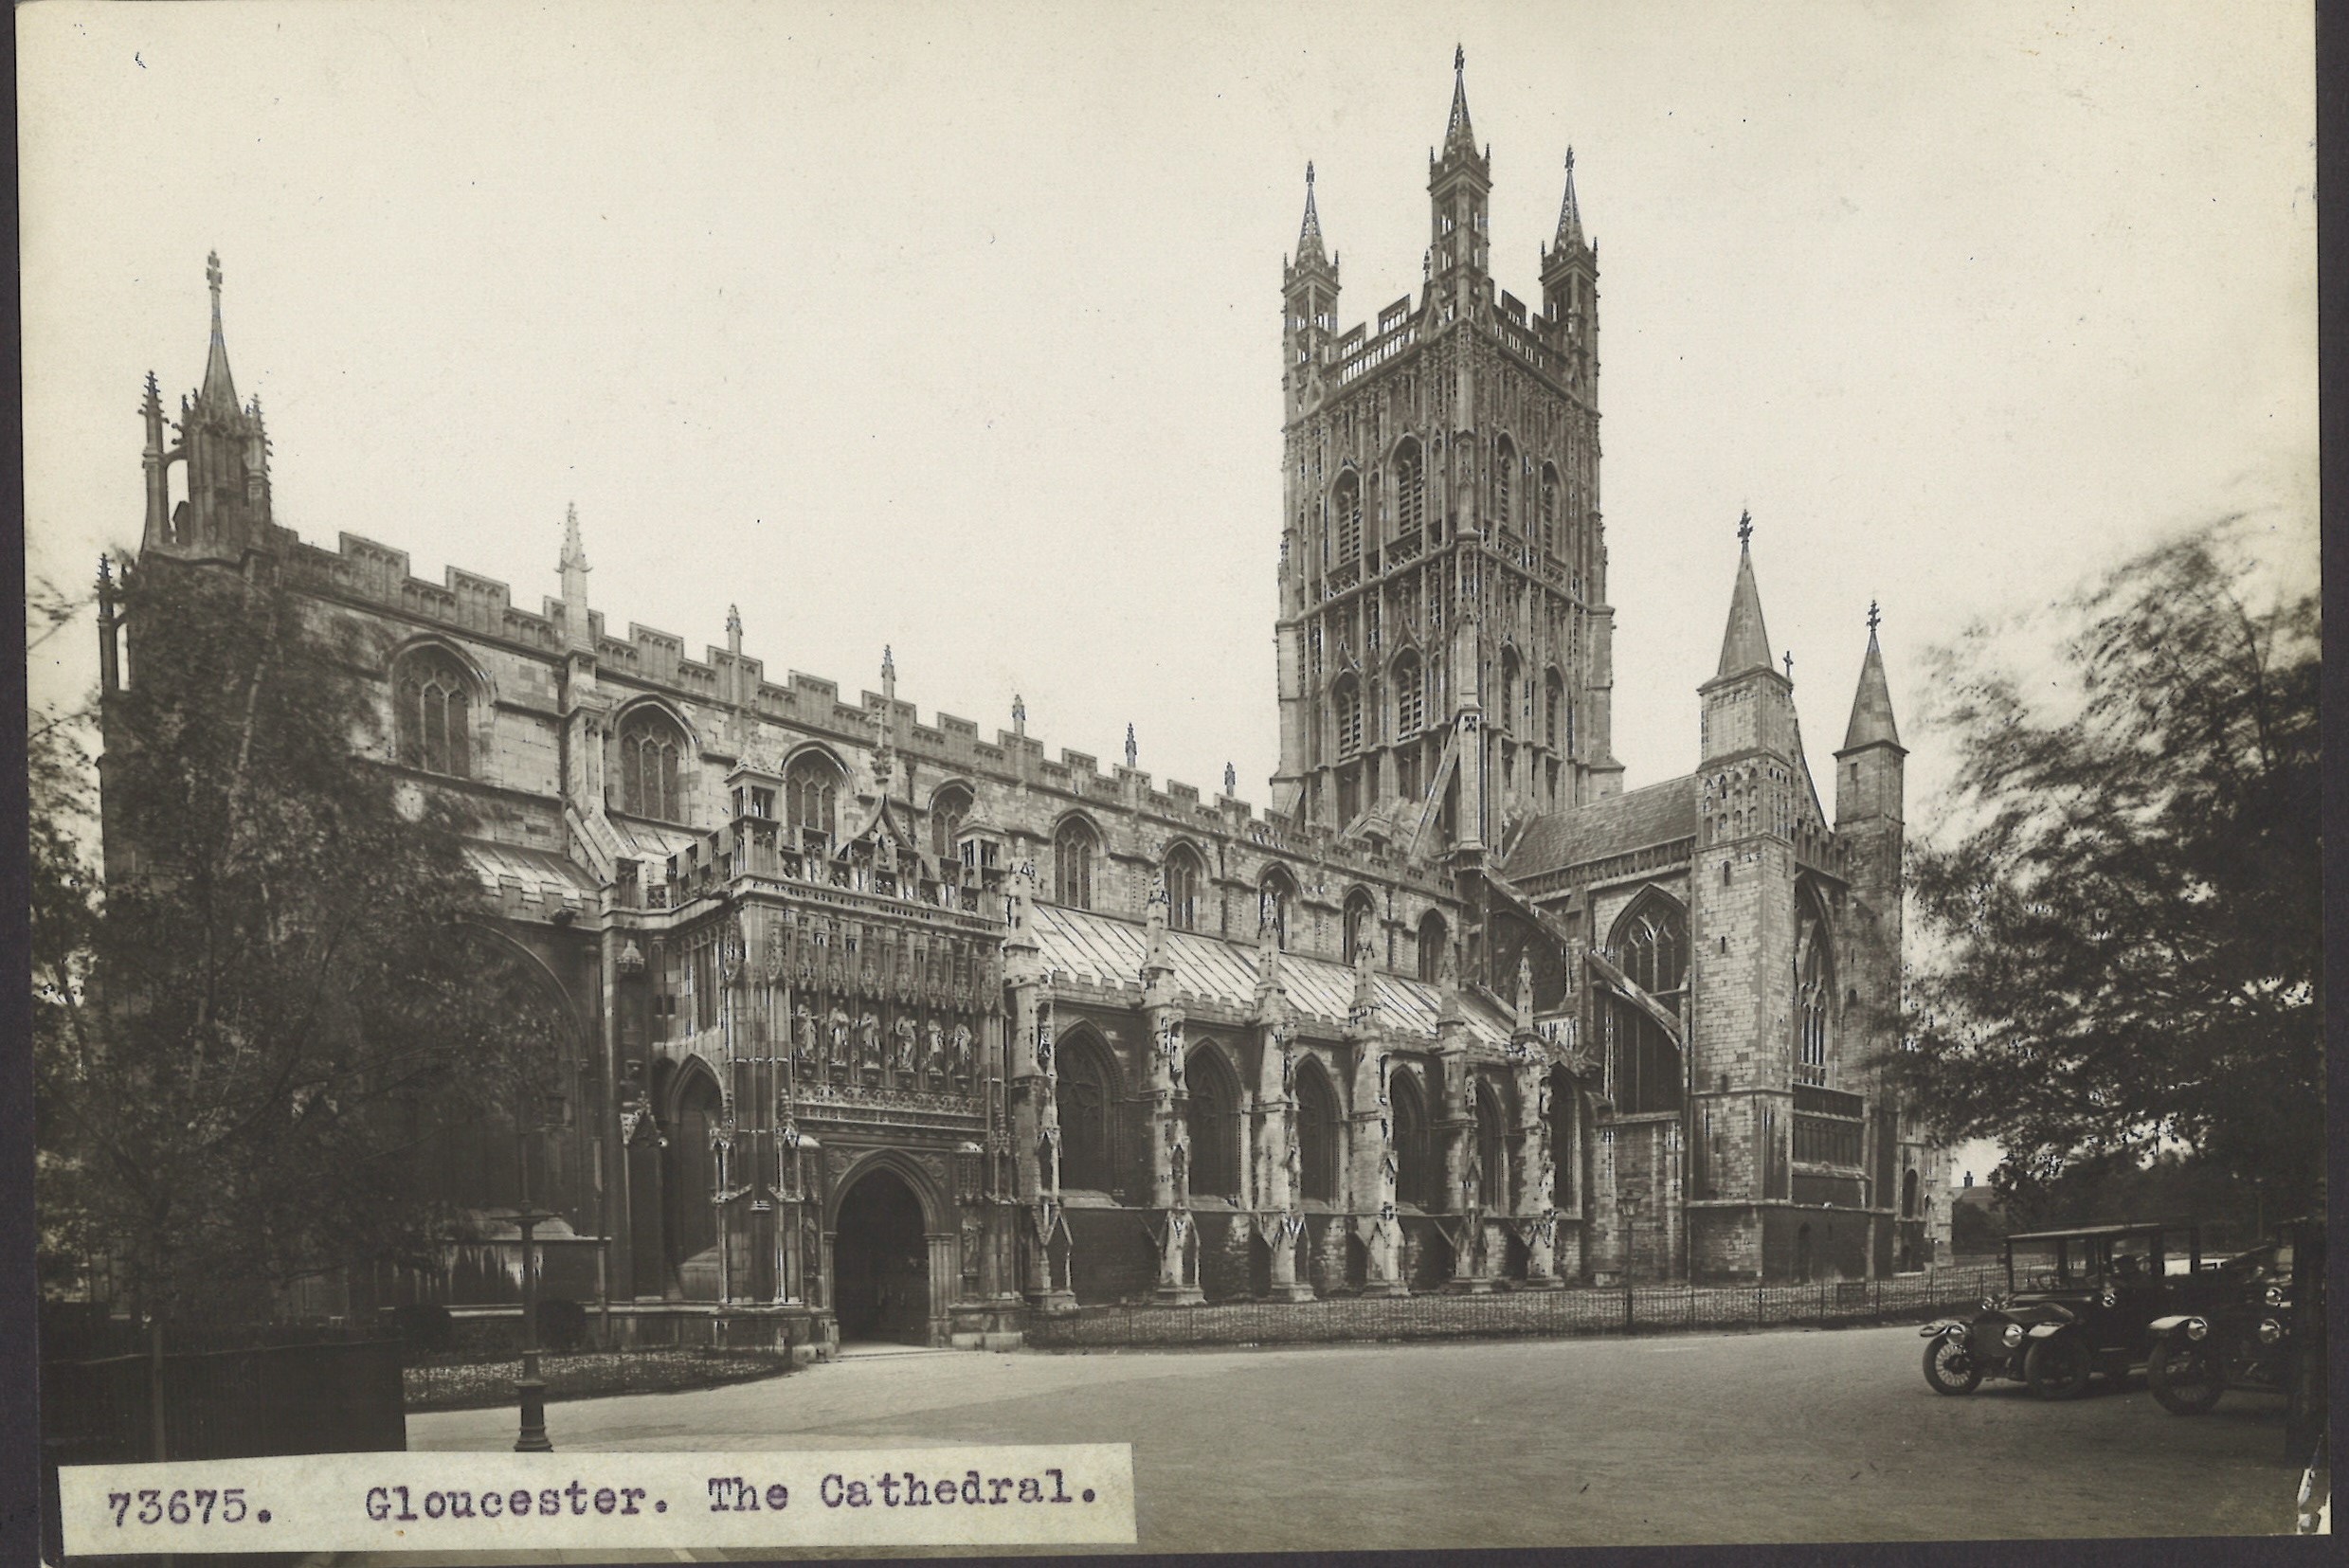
(957, 329)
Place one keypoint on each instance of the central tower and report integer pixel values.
(1443, 628)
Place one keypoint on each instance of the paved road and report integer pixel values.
(1751, 1437)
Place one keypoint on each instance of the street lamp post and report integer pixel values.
(532, 1389)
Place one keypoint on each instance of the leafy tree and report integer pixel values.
(2121, 923)
(247, 1027)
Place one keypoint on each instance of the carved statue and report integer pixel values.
(933, 1048)
(904, 1032)
(803, 1024)
(962, 1049)
(868, 1042)
(839, 1021)
(1179, 1167)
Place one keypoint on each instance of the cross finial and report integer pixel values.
(1459, 59)
(1744, 526)
(1569, 159)
(1874, 617)
(1790, 664)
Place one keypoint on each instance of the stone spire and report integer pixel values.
(1872, 705)
(576, 632)
(1308, 237)
(1746, 646)
(1569, 212)
(220, 388)
(1459, 135)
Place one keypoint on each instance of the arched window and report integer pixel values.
(1565, 1105)
(1072, 851)
(1553, 706)
(1510, 683)
(1317, 1132)
(1492, 1152)
(435, 714)
(1347, 503)
(1549, 508)
(1504, 472)
(652, 759)
(1410, 697)
(1433, 936)
(949, 809)
(811, 795)
(1214, 1124)
(1277, 895)
(1908, 1194)
(1410, 489)
(1416, 1172)
(1651, 945)
(1185, 877)
(1345, 701)
(1361, 920)
(1815, 991)
(1082, 1095)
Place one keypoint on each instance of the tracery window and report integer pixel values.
(1348, 503)
(1415, 1171)
(949, 810)
(1213, 1120)
(1347, 700)
(1433, 935)
(811, 794)
(435, 717)
(1504, 471)
(1185, 876)
(1277, 894)
(1410, 489)
(1508, 714)
(1081, 1094)
(1553, 705)
(1549, 508)
(1651, 946)
(1317, 1134)
(1361, 914)
(652, 754)
(1072, 851)
(1814, 990)
(1492, 1152)
(1410, 697)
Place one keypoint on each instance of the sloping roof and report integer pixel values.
(1613, 824)
(647, 842)
(1872, 705)
(533, 868)
(1746, 643)
(1107, 952)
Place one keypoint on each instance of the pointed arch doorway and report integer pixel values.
(880, 1261)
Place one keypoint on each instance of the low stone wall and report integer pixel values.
(1645, 1309)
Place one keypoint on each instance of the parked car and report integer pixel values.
(2078, 1301)
(2242, 1335)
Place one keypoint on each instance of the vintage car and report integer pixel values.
(2078, 1301)
(2241, 1333)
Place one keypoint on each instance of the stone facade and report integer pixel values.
(886, 1026)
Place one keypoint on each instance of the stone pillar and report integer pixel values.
(1280, 1217)
(1171, 1140)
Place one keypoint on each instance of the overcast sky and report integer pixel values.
(957, 328)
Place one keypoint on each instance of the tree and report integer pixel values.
(2121, 923)
(247, 1028)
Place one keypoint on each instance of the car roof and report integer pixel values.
(2141, 1228)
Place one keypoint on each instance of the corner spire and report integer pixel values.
(1871, 705)
(1569, 212)
(1746, 646)
(1308, 235)
(578, 632)
(220, 388)
(1459, 135)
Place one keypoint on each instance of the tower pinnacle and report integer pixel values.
(1871, 705)
(1459, 135)
(1308, 237)
(220, 388)
(1569, 212)
(1746, 646)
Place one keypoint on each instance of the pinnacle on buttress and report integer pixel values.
(1459, 135)
(220, 388)
(1747, 643)
(1230, 782)
(1569, 212)
(1308, 235)
(577, 633)
(1132, 754)
(1871, 705)
(574, 552)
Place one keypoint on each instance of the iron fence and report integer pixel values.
(1638, 1309)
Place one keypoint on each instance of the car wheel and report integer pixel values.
(1949, 1368)
(2058, 1368)
(2184, 1378)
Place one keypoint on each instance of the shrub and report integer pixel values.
(423, 1326)
(562, 1324)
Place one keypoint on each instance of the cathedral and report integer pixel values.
(879, 1027)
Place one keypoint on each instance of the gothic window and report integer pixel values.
(1553, 704)
(811, 794)
(435, 719)
(1549, 508)
(1908, 1194)
(1491, 1151)
(652, 757)
(1410, 489)
(1504, 471)
(1082, 1095)
(1814, 990)
(1317, 1134)
(1185, 876)
(1509, 685)
(1410, 697)
(1361, 918)
(1072, 851)
(1564, 1121)
(1214, 1123)
(1433, 934)
(1279, 899)
(1651, 946)
(1415, 1171)
(949, 809)
(1348, 503)
(1347, 701)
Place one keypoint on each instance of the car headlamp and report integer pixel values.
(2014, 1335)
(2197, 1328)
(1990, 1303)
(2111, 1298)
(2270, 1332)
(2275, 1295)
